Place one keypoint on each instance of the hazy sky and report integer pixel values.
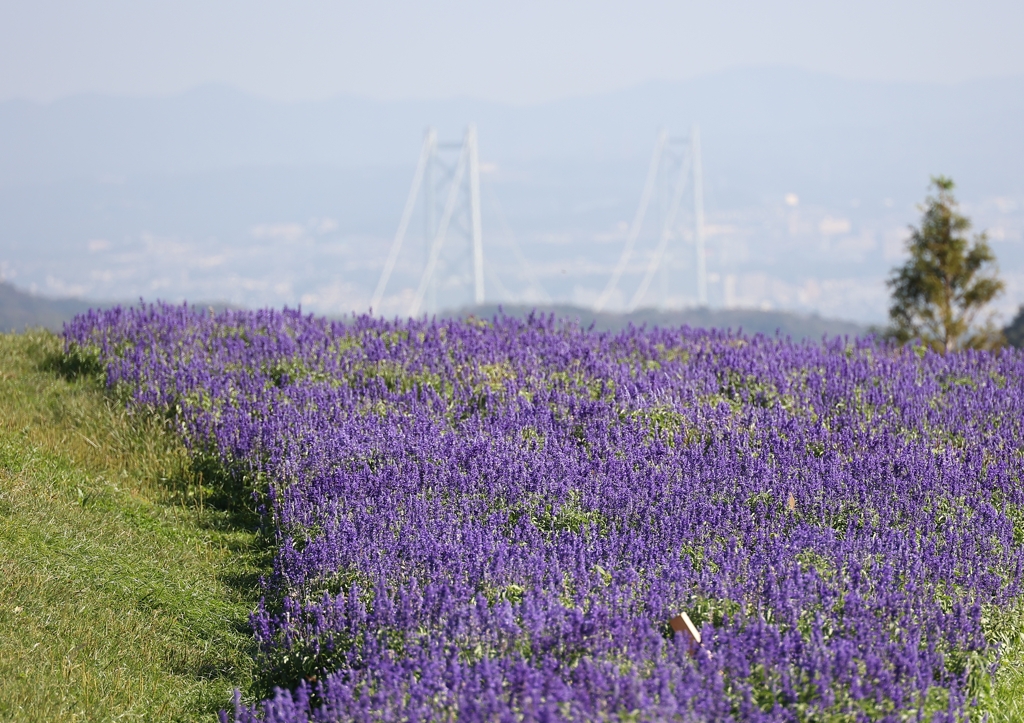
(520, 52)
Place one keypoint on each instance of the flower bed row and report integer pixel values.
(497, 520)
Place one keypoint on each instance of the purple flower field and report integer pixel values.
(495, 521)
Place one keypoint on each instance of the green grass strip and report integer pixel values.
(124, 594)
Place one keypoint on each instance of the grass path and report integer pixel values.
(124, 593)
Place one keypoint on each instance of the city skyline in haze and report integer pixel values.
(810, 183)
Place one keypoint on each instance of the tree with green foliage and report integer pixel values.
(948, 279)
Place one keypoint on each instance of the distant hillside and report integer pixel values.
(1014, 331)
(20, 310)
(751, 321)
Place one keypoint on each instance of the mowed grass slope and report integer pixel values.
(124, 593)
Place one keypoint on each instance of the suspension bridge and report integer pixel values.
(447, 177)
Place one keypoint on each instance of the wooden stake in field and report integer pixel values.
(681, 623)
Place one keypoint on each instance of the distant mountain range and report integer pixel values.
(765, 130)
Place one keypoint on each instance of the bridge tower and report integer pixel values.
(674, 169)
(449, 175)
